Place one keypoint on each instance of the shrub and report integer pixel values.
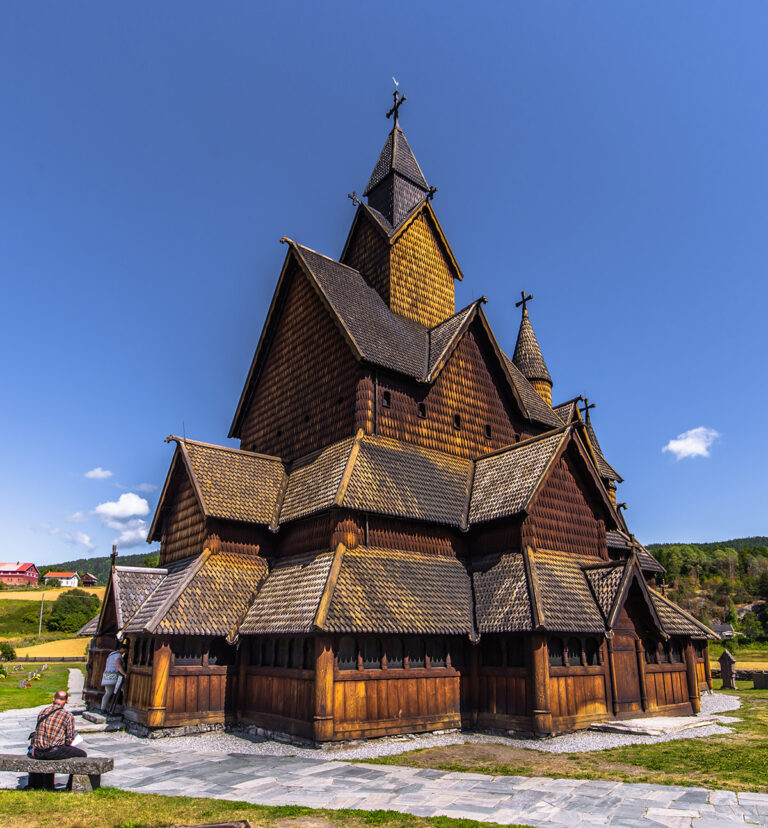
(7, 653)
(71, 610)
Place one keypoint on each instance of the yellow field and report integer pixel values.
(52, 649)
(50, 594)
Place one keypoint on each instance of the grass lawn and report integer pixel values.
(753, 656)
(737, 762)
(40, 693)
(110, 808)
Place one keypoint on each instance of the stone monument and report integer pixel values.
(728, 670)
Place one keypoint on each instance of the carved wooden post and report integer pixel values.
(474, 682)
(640, 653)
(323, 718)
(612, 669)
(244, 653)
(160, 675)
(693, 681)
(542, 710)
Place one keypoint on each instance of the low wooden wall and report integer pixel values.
(279, 699)
(377, 702)
(667, 687)
(200, 694)
(503, 698)
(578, 696)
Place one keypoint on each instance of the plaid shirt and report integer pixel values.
(57, 729)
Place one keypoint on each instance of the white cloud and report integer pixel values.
(77, 517)
(127, 506)
(146, 488)
(693, 443)
(98, 473)
(132, 535)
(75, 538)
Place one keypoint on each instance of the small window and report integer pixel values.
(268, 653)
(457, 421)
(297, 652)
(555, 652)
(416, 653)
(281, 653)
(394, 650)
(491, 654)
(664, 654)
(279, 432)
(517, 438)
(675, 652)
(651, 651)
(371, 654)
(515, 652)
(422, 411)
(592, 652)
(436, 652)
(574, 652)
(309, 654)
(386, 400)
(487, 431)
(700, 648)
(347, 653)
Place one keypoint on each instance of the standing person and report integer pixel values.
(113, 670)
(55, 731)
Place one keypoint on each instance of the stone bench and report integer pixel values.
(84, 771)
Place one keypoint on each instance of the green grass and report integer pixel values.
(111, 808)
(21, 618)
(738, 761)
(40, 693)
(753, 651)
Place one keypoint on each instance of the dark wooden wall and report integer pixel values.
(368, 252)
(183, 528)
(561, 518)
(305, 398)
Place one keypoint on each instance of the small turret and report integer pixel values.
(527, 356)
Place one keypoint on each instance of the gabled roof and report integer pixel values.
(90, 628)
(60, 575)
(527, 356)
(536, 408)
(606, 469)
(568, 411)
(625, 544)
(611, 584)
(16, 567)
(676, 621)
(229, 483)
(397, 156)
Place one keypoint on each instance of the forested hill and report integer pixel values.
(100, 566)
(722, 581)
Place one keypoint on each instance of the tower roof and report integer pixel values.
(397, 183)
(527, 356)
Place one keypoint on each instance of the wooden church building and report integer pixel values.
(411, 535)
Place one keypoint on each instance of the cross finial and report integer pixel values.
(431, 193)
(113, 556)
(523, 300)
(587, 407)
(355, 198)
(399, 100)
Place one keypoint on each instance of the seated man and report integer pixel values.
(55, 731)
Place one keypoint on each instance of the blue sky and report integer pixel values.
(607, 157)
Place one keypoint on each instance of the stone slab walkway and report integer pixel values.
(143, 765)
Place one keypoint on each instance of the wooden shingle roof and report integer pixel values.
(527, 356)
(502, 594)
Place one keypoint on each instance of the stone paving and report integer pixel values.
(142, 765)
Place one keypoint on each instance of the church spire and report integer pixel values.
(397, 184)
(527, 356)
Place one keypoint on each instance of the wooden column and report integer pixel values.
(612, 669)
(474, 682)
(707, 667)
(542, 710)
(640, 653)
(244, 653)
(323, 718)
(160, 674)
(693, 681)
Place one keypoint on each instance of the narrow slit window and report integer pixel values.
(416, 653)
(592, 652)
(394, 654)
(422, 411)
(457, 422)
(347, 653)
(487, 431)
(386, 400)
(555, 652)
(574, 652)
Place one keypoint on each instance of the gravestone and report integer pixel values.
(728, 670)
(760, 680)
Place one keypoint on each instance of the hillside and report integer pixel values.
(720, 581)
(100, 566)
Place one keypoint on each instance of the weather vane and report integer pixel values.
(523, 300)
(399, 100)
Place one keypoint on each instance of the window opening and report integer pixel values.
(371, 654)
(422, 411)
(675, 652)
(268, 653)
(394, 649)
(347, 653)
(297, 652)
(515, 653)
(416, 653)
(281, 652)
(490, 652)
(436, 652)
(555, 652)
(386, 400)
(309, 654)
(651, 654)
(487, 432)
(592, 652)
(574, 652)
(457, 421)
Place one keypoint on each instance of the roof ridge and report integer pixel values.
(146, 569)
(185, 440)
(527, 442)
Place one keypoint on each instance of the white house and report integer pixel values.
(68, 579)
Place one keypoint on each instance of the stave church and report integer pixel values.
(411, 536)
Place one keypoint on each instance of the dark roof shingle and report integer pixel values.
(502, 599)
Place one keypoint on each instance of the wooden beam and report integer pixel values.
(640, 653)
(693, 680)
(612, 671)
(160, 672)
(323, 717)
(542, 710)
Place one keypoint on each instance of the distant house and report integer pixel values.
(89, 580)
(725, 630)
(19, 574)
(68, 579)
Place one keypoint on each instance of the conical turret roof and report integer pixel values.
(397, 183)
(527, 356)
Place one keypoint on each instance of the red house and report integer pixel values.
(19, 574)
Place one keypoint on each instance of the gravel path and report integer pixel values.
(218, 741)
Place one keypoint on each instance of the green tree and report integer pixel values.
(7, 653)
(751, 626)
(71, 610)
(151, 561)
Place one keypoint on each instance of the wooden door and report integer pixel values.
(627, 679)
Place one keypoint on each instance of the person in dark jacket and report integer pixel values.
(55, 731)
